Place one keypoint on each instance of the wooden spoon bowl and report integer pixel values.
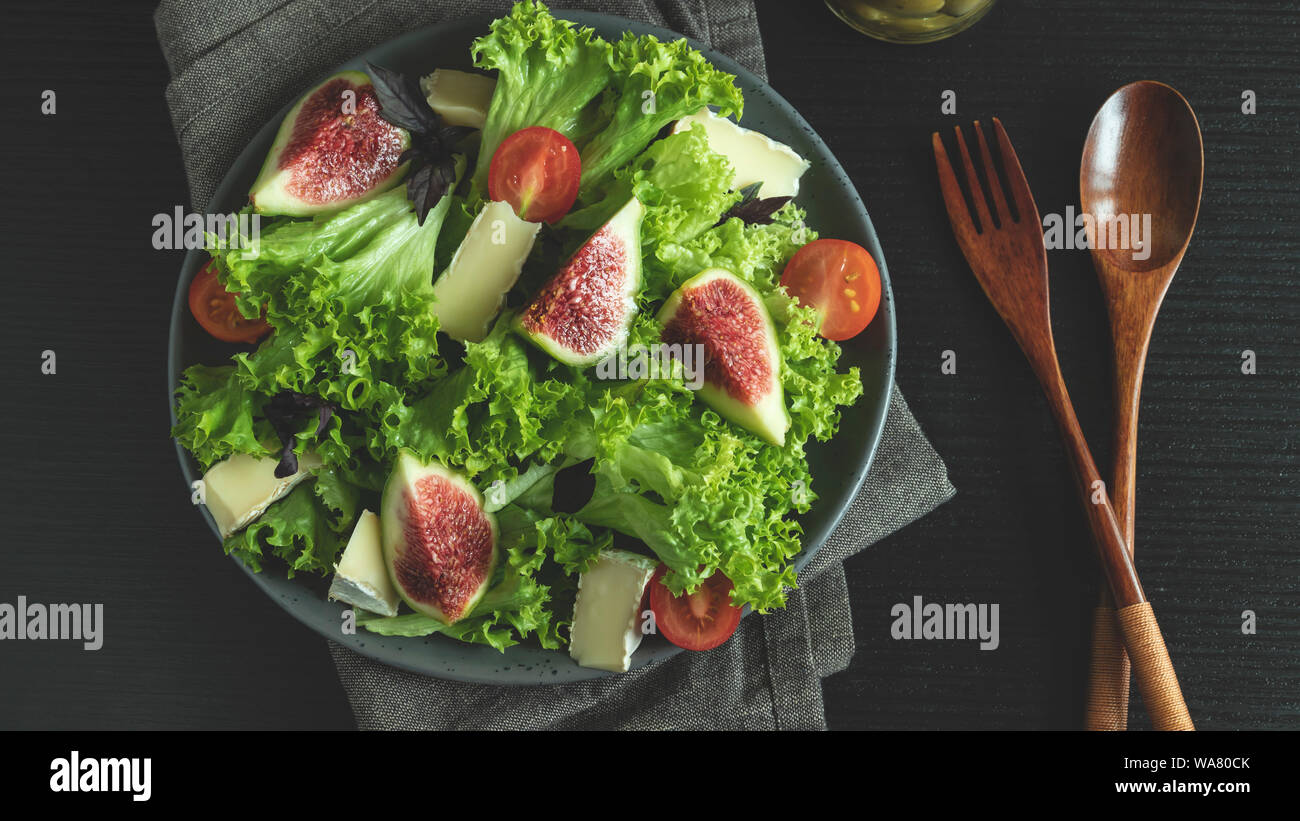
(1144, 155)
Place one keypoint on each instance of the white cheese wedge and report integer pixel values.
(754, 157)
(242, 487)
(487, 263)
(606, 616)
(459, 97)
(361, 577)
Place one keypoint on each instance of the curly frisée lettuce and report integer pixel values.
(503, 409)
(609, 100)
(548, 73)
(217, 416)
(683, 184)
(755, 253)
(348, 297)
(655, 83)
(701, 493)
(367, 255)
(706, 495)
(306, 529)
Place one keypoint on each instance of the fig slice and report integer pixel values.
(439, 544)
(582, 314)
(742, 362)
(332, 150)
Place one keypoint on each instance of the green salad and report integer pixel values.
(352, 390)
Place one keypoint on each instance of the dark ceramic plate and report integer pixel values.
(839, 467)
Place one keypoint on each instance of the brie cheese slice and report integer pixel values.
(242, 487)
(459, 97)
(361, 576)
(754, 157)
(487, 263)
(606, 616)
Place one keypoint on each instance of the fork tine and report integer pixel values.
(973, 181)
(952, 198)
(1020, 193)
(991, 174)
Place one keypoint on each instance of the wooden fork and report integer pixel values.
(1009, 258)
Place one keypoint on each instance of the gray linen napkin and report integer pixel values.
(233, 65)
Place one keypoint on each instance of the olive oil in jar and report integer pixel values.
(910, 21)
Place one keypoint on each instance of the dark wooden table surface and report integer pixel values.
(94, 511)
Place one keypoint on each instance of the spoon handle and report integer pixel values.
(1133, 302)
(1108, 679)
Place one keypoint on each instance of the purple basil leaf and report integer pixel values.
(452, 134)
(400, 101)
(432, 171)
(281, 411)
(417, 187)
(753, 210)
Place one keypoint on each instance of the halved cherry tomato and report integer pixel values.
(697, 621)
(537, 170)
(839, 279)
(214, 308)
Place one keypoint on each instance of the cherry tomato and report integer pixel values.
(537, 170)
(697, 621)
(840, 280)
(214, 308)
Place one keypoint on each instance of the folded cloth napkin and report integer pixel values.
(233, 65)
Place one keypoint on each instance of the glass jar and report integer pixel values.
(910, 21)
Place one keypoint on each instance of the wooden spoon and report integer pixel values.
(1143, 156)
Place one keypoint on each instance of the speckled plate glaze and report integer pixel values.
(839, 467)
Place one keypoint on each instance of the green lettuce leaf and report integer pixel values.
(515, 608)
(702, 493)
(548, 72)
(683, 184)
(755, 253)
(654, 84)
(303, 529)
(509, 404)
(348, 297)
(365, 255)
(217, 416)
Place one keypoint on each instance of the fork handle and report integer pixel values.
(1112, 551)
(1155, 672)
(1152, 667)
